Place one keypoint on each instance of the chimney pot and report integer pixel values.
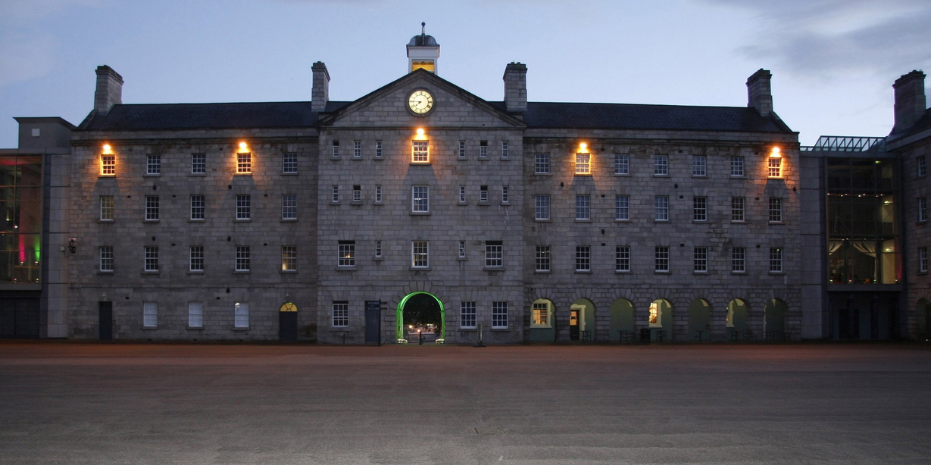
(909, 100)
(320, 94)
(515, 87)
(760, 93)
(109, 89)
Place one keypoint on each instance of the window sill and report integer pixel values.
(738, 272)
(699, 221)
(470, 329)
(359, 158)
(541, 327)
(199, 175)
(738, 221)
(660, 175)
(583, 271)
(378, 158)
(622, 221)
(462, 259)
(106, 176)
(483, 203)
(462, 204)
(578, 220)
(243, 220)
(334, 203)
(105, 272)
(190, 272)
(378, 259)
(420, 213)
(378, 204)
(334, 157)
(500, 328)
(194, 328)
(339, 329)
(776, 223)
(705, 272)
(289, 220)
(105, 221)
(505, 158)
(150, 221)
(287, 271)
(737, 177)
(774, 177)
(699, 175)
(420, 163)
(542, 174)
(542, 220)
(242, 271)
(621, 271)
(419, 268)
(776, 273)
(289, 174)
(346, 268)
(201, 220)
(150, 273)
(660, 272)
(505, 204)
(356, 202)
(152, 175)
(149, 328)
(619, 175)
(584, 174)
(241, 328)
(542, 272)
(493, 268)
(660, 221)
(243, 174)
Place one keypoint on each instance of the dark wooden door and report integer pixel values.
(287, 326)
(105, 324)
(373, 322)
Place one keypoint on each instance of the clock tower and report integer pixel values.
(422, 52)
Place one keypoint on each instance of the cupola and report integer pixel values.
(422, 52)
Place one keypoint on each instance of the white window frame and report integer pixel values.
(357, 149)
(420, 254)
(922, 259)
(243, 258)
(504, 149)
(149, 315)
(150, 259)
(541, 314)
(420, 199)
(107, 207)
(289, 258)
(738, 210)
(483, 194)
(660, 165)
(462, 250)
(378, 249)
(378, 149)
(622, 259)
(775, 210)
(153, 165)
(462, 149)
(583, 259)
(494, 254)
(922, 209)
(289, 206)
(483, 149)
(335, 151)
(467, 316)
(198, 207)
(737, 166)
(108, 165)
(738, 260)
(335, 194)
(583, 164)
(542, 259)
(541, 163)
(499, 315)
(243, 207)
(505, 197)
(462, 194)
(922, 166)
(699, 166)
(196, 258)
(621, 208)
(195, 314)
(198, 163)
(775, 260)
(240, 315)
(700, 260)
(289, 163)
(340, 314)
(151, 208)
(700, 209)
(542, 208)
(661, 208)
(621, 164)
(420, 151)
(378, 195)
(774, 167)
(356, 193)
(583, 207)
(244, 163)
(346, 254)
(661, 259)
(106, 258)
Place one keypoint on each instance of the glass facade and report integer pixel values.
(21, 228)
(862, 224)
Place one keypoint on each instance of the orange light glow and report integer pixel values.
(776, 153)
(107, 150)
(419, 131)
(243, 147)
(583, 147)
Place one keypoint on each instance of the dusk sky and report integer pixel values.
(833, 61)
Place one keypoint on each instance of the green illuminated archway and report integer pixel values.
(400, 314)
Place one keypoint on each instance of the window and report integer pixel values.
(153, 164)
(106, 258)
(106, 208)
(335, 152)
(243, 207)
(661, 208)
(198, 207)
(922, 259)
(661, 259)
(462, 194)
(198, 163)
(499, 315)
(494, 254)
(347, 253)
(737, 209)
(378, 149)
(377, 249)
(922, 166)
(583, 208)
(622, 258)
(289, 163)
(467, 315)
(421, 151)
(356, 193)
(244, 163)
(240, 315)
(420, 199)
(737, 166)
(541, 163)
(196, 258)
(149, 314)
(583, 163)
(738, 260)
(775, 167)
(699, 209)
(660, 165)
(462, 250)
(378, 193)
(462, 151)
(357, 149)
(621, 164)
(151, 258)
(542, 208)
(504, 149)
(340, 314)
(335, 197)
(700, 259)
(195, 315)
(420, 254)
(540, 315)
(151, 208)
(242, 258)
(543, 258)
(483, 194)
(775, 260)
(289, 207)
(504, 194)
(621, 208)
(483, 149)
(288, 258)
(699, 165)
(108, 165)
(775, 210)
(583, 258)
(922, 209)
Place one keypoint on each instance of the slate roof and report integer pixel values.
(922, 124)
(549, 115)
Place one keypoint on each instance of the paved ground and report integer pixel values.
(76, 403)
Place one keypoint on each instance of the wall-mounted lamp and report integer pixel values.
(776, 153)
(107, 150)
(73, 245)
(243, 147)
(583, 147)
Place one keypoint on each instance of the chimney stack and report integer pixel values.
(109, 89)
(515, 87)
(909, 100)
(320, 94)
(760, 92)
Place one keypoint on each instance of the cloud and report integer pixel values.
(831, 37)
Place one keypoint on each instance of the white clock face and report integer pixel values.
(420, 102)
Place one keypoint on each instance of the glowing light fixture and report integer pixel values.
(419, 131)
(107, 150)
(776, 153)
(583, 147)
(243, 147)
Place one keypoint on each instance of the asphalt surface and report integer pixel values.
(80, 403)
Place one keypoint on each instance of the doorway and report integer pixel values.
(423, 312)
(105, 321)
(287, 322)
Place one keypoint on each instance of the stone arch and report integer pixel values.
(542, 321)
(774, 319)
(586, 319)
(399, 322)
(737, 320)
(699, 320)
(622, 318)
(659, 319)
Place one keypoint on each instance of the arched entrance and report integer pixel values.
(582, 320)
(287, 322)
(699, 320)
(622, 319)
(542, 328)
(736, 320)
(774, 319)
(421, 308)
(659, 320)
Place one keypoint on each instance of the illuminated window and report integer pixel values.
(106, 208)
(922, 209)
(543, 258)
(347, 253)
(288, 258)
(775, 260)
(357, 149)
(378, 149)
(106, 258)
(505, 194)
(340, 314)
(243, 207)
(244, 163)
(149, 314)
(583, 258)
(420, 254)
(483, 149)
(483, 194)
(356, 194)
(151, 258)
(661, 208)
(622, 258)
(699, 165)
(108, 165)
(462, 250)
(661, 259)
(621, 164)
(737, 166)
(738, 260)
(737, 209)
(700, 259)
(656, 315)
(240, 315)
(420, 199)
(243, 258)
(462, 149)
(922, 259)
(153, 164)
(541, 314)
(499, 315)
(421, 151)
(378, 193)
(151, 208)
(289, 163)
(541, 163)
(583, 163)
(494, 254)
(377, 249)
(289, 207)
(195, 315)
(775, 210)
(335, 145)
(542, 207)
(198, 163)
(583, 210)
(504, 149)
(467, 315)
(699, 209)
(198, 207)
(196, 258)
(775, 167)
(660, 165)
(621, 208)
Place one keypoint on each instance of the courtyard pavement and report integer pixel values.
(86, 403)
